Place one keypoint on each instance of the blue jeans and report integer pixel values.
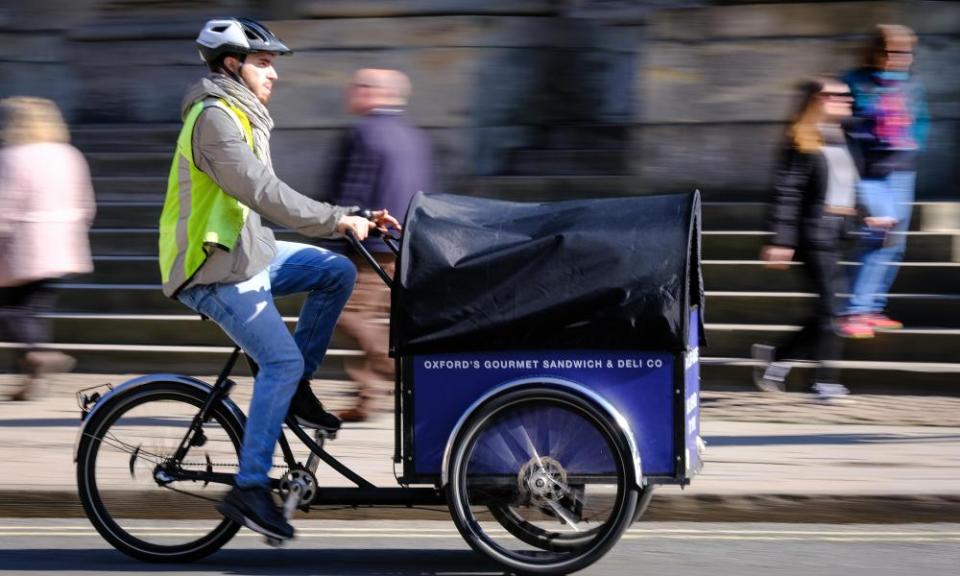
(891, 196)
(247, 313)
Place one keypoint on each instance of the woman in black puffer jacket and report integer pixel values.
(814, 196)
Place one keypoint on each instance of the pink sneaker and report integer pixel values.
(880, 321)
(853, 327)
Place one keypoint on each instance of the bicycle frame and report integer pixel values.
(365, 492)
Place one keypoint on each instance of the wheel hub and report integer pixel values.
(542, 481)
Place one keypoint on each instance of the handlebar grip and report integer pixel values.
(368, 214)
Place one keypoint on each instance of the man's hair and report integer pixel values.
(218, 64)
(882, 35)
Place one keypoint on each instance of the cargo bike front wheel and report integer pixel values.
(541, 481)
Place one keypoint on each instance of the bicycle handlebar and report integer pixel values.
(392, 242)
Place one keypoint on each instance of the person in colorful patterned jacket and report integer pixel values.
(889, 132)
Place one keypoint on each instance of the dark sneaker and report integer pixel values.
(309, 412)
(254, 508)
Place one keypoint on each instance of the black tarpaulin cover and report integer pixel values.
(615, 273)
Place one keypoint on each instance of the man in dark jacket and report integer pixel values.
(382, 161)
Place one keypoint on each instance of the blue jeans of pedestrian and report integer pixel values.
(893, 197)
(247, 313)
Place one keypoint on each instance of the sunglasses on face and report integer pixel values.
(837, 95)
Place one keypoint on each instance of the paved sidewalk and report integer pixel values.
(780, 457)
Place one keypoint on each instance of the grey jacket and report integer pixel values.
(221, 152)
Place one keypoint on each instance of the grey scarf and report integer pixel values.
(260, 120)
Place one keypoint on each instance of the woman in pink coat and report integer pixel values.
(46, 207)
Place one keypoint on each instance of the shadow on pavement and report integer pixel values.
(41, 422)
(395, 562)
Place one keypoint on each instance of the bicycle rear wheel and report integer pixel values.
(125, 466)
(541, 481)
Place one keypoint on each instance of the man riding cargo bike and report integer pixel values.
(220, 260)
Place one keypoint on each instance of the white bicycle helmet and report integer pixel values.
(237, 36)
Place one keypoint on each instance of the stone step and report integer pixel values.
(745, 275)
(746, 245)
(547, 188)
(915, 310)
(727, 340)
(723, 275)
(125, 211)
(914, 378)
(93, 138)
(751, 216)
(181, 329)
(717, 373)
(907, 345)
(124, 241)
(584, 136)
(124, 270)
(130, 228)
(740, 307)
(137, 163)
(144, 241)
(550, 187)
(127, 214)
(138, 189)
(135, 299)
(193, 360)
(572, 161)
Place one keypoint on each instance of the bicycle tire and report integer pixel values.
(490, 468)
(105, 507)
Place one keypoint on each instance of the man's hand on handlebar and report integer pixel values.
(365, 221)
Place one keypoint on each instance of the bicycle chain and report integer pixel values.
(204, 464)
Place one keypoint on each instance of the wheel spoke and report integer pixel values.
(563, 514)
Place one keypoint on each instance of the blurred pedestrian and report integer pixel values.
(382, 161)
(46, 208)
(891, 128)
(814, 196)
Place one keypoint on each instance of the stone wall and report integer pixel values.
(704, 89)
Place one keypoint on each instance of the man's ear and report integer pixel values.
(232, 63)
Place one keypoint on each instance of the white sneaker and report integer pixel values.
(828, 392)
